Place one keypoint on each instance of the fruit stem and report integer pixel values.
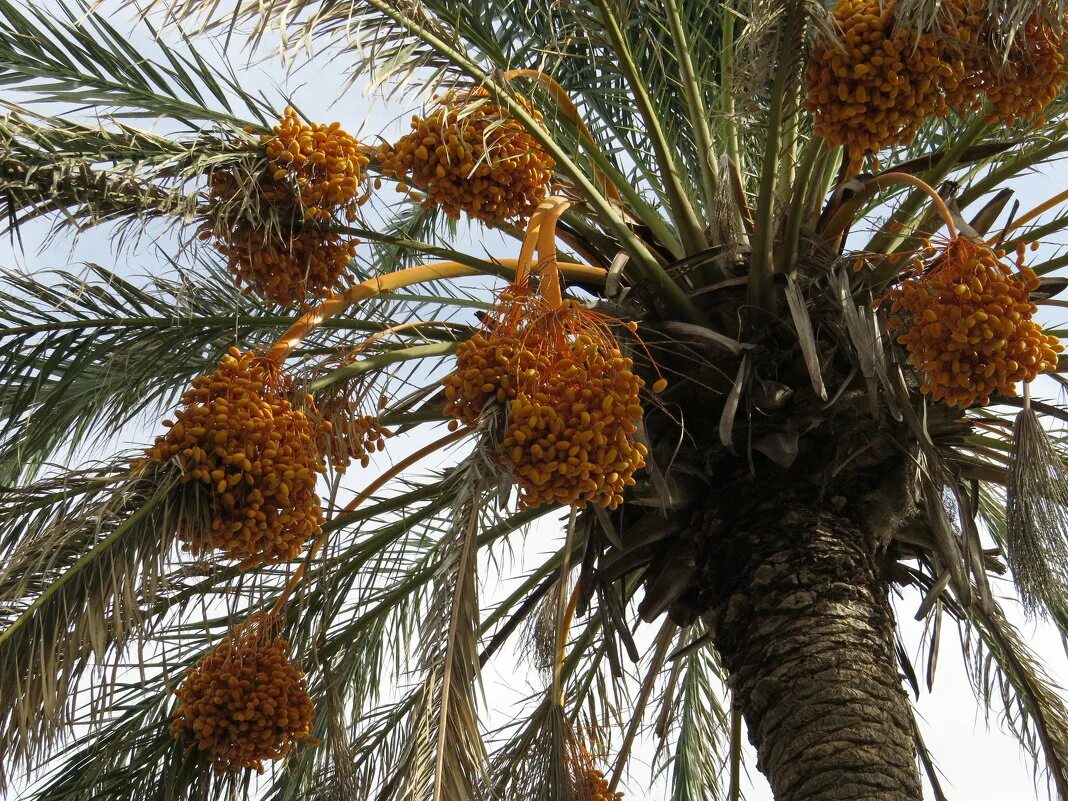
(844, 216)
(530, 240)
(399, 328)
(439, 271)
(550, 272)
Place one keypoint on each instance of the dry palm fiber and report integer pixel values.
(1036, 523)
(469, 156)
(966, 323)
(239, 439)
(245, 702)
(571, 397)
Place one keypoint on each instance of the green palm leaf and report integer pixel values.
(798, 473)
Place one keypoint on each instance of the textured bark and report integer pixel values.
(803, 624)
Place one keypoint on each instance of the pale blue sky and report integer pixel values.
(979, 762)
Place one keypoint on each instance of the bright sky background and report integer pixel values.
(978, 760)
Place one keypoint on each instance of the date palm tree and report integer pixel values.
(753, 206)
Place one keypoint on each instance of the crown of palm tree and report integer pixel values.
(745, 346)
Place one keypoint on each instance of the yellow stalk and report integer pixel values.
(844, 216)
(530, 239)
(550, 285)
(1041, 208)
(566, 104)
(375, 485)
(296, 334)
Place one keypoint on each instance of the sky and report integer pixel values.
(978, 759)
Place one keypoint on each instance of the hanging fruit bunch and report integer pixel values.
(875, 85)
(238, 439)
(966, 323)
(326, 167)
(571, 399)
(347, 434)
(245, 702)
(1020, 79)
(588, 783)
(593, 786)
(470, 156)
(309, 175)
(570, 432)
(488, 364)
(286, 272)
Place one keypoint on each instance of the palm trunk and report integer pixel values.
(802, 621)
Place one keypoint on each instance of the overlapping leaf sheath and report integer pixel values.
(245, 702)
(311, 177)
(239, 438)
(571, 397)
(966, 323)
(469, 156)
(875, 86)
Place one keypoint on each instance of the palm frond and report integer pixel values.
(83, 175)
(81, 59)
(695, 119)
(73, 592)
(532, 757)
(1004, 669)
(84, 356)
(128, 746)
(701, 748)
(428, 34)
(451, 656)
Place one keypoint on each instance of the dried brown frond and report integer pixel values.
(534, 763)
(1036, 530)
(1005, 671)
(754, 54)
(539, 631)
